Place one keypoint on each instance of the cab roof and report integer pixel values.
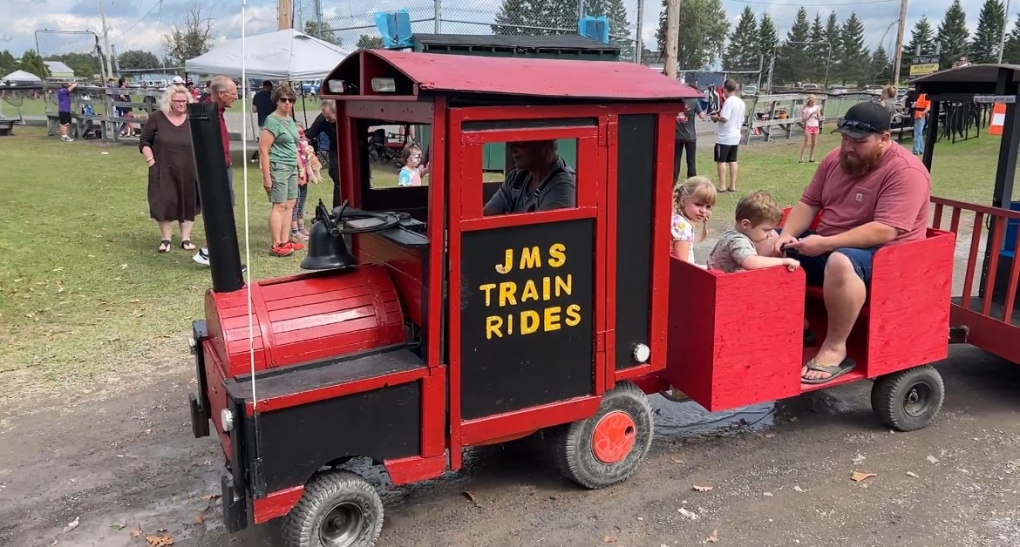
(519, 76)
(983, 79)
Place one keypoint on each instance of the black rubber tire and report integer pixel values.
(571, 444)
(323, 493)
(889, 398)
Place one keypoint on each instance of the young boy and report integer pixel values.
(756, 218)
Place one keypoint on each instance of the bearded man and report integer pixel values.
(871, 192)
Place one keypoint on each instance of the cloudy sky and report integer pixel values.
(139, 24)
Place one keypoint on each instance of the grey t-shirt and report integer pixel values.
(731, 249)
(686, 131)
(557, 191)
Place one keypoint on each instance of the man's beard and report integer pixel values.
(859, 165)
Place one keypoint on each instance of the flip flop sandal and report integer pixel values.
(844, 367)
(164, 246)
(187, 245)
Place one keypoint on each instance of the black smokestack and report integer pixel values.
(214, 190)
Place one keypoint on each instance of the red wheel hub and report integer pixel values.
(614, 437)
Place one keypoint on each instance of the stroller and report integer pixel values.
(379, 150)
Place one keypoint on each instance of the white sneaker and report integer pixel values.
(65, 138)
(202, 257)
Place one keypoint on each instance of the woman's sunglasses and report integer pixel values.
(286, 100)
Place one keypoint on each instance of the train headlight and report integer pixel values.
(642, 353)
(226, 419)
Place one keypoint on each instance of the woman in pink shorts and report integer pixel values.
(812, 118)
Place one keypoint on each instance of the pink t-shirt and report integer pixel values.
(895, 193)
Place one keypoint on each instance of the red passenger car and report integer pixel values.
(430, 327)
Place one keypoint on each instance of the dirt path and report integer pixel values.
(114, 461)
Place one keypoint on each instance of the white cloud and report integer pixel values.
(129, 30)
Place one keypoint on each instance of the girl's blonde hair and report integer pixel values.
(171, 90)
(890, 91)
(696, 188)
(811, 100)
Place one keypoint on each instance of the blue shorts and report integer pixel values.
(814, 266)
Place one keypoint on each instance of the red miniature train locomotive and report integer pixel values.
(442, 328)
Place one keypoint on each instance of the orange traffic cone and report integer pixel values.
(998, 118)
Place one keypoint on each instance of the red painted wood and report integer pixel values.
(610, 207)
(501, 75)
(406, 111)
(481, 431)
(455, 162)
(911, 286)
(434, 418)
(525, 219)
(723, 354)
(993, 263)
(307, 317)
(662, 207)
(601, 255)
(536, 134)
(414, 469)
(987, 333)
(216, 393)
(437, 232)
(975, 243)
(404, 265)
(276, 504)
(531, 112)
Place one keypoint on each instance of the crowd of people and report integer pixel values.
(287, 162)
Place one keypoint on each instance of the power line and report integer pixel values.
(159, 3)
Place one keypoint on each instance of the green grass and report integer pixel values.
(83, 290)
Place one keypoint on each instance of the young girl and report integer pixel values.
(692, 204)
(297, 221)
(412, 171)
(812, 116)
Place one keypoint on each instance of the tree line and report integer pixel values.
(809, 47)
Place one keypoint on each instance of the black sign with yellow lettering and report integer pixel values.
(526, 316)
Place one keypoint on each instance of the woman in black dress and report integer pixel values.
(166, 145)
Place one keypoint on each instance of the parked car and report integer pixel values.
(811, 88)
(837, 90)
(749, 90)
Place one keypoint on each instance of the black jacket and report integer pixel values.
(321, 126)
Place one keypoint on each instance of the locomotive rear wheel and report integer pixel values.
(338, 509)
(608, 447)
(908, 400)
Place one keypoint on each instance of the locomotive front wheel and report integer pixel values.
(908, 400)
(608, 447)
(338, 509)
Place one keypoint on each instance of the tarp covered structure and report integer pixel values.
(21, 77)
(280, 55)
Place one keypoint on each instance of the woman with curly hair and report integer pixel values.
(166, 145)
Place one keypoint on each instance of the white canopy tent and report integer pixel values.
(21, 77)
(279, 55)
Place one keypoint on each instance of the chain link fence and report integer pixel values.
(353, 24)
(78, 52)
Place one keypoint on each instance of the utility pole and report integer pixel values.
(898, 62)
(672, 36)
(284, 11)
(1002, 39)
(106, 41)
(639, 57)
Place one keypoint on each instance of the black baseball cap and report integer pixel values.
(864, 119)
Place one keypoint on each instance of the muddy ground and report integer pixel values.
(117, 460)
